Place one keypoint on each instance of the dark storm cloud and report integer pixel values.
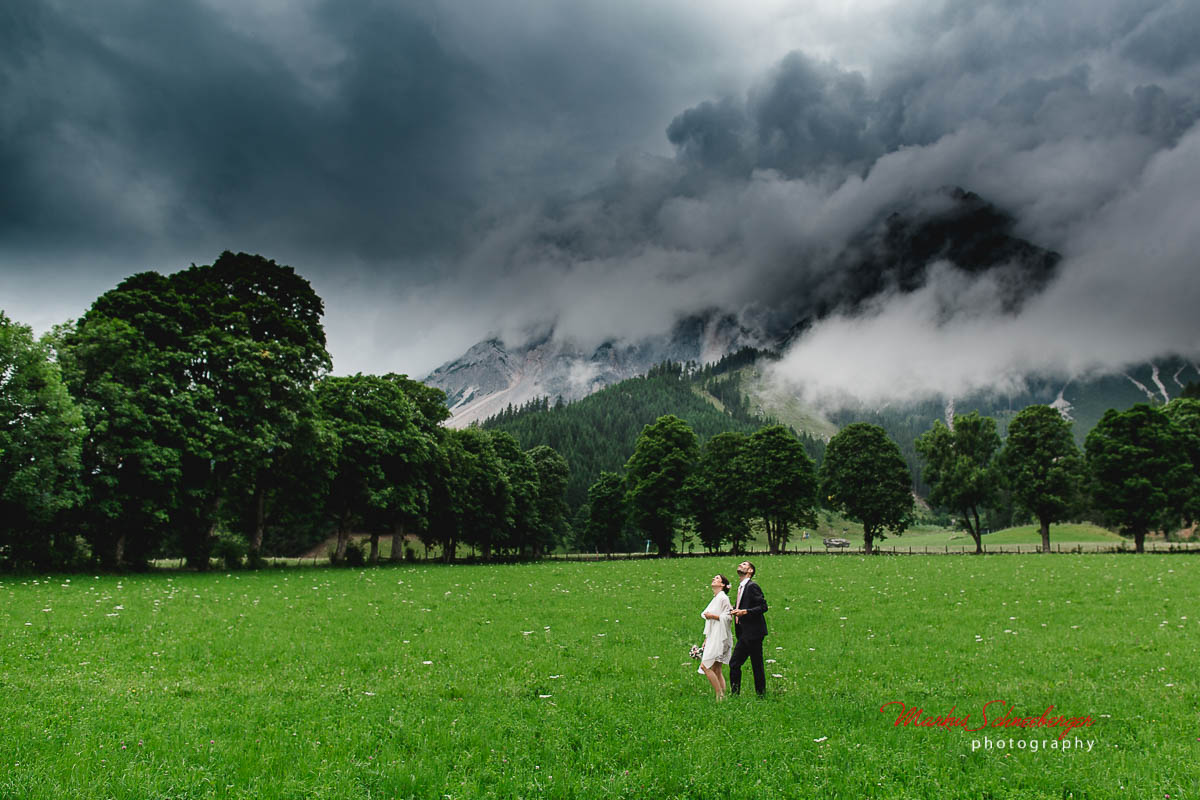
(806, 116)
(131, 121)
(445, 171)
(1038, 110)
(153, 120)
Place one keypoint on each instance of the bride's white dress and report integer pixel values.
(718, 633)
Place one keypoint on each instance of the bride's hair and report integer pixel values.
(725, 581)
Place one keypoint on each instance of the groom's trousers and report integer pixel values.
(753, 650)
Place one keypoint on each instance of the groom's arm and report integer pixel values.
(753, 601)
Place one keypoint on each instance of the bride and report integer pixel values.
(718, 635)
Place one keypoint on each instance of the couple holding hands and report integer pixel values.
(746, 613)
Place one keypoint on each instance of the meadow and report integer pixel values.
(571, 680)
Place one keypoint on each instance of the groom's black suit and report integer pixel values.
(751, 630)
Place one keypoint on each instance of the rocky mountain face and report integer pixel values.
(892, 255)
(489, 377)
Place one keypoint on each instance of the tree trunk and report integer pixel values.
(343, 534)
(118, 556)
(975, 531)
(200, 539)
(448, 554)
(374, 558)
(397, 542)
(1045, 534)
(260, 516)
(202, 542)
(1139, 541)
(868, 540)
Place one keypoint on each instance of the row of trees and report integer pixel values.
(671, 483)
(182, 408)
(1139, 470)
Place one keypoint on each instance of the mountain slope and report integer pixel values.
(599, 432)
(893, 254)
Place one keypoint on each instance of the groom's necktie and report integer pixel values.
(739, 597)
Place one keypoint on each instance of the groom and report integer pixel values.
(751, 630)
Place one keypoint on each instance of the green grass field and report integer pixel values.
(571, 680)
(1027, 538)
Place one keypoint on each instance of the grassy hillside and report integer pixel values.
(768, 399)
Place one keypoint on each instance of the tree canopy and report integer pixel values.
(865, 477)
(663, 459)
(1140, 470)
(41, 432)
(784, 487)
(960, 466)
(1042, 465)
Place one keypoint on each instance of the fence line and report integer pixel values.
(1074, 548)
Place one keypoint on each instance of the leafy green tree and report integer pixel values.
(282, 511)
(254, 348)
(553, 474)
(372, 425)
(865, 477)
(412, 469)
(1140, 470)
(522, 522)
(960, 466)
(718, 493)
(607, 512)
(1042, 465)
(1184, 413)
(662, 460)
(700, 504)
(480, 503)
(121, 363)
(783, 489)
(213, 379)
(41, 433)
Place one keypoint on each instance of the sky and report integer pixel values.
(447, 171)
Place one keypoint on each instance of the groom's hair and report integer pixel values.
(753, 571)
